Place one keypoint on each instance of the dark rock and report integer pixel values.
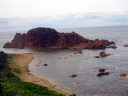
(45, 65)
(77, 83)
(73, 76)
(125, 45)
(48, 38)
(96, 56)
(102, 70)
(102, 73)
(103, 54)
(72, 95)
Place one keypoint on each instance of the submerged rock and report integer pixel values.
(102, 73)
(103, 54)
(77, 83)
(123, 75)
(72, 95)
(127, 93)
(48, 38)
(107, 73)
(101, 70)
(73, 76)
(45, 65)
(96, 56)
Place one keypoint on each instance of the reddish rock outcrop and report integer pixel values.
(123, 75)
(39, 38)
(103, 54)
(17, 42)
(48, 38)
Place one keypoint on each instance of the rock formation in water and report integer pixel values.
(96, 56)
(48, 38)
(102, 73)
(103, 54)
(125, 45)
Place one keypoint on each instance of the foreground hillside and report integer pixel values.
(48, 38)
(11, 85)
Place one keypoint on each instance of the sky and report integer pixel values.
(25, 14)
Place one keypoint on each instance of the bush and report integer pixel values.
(3, 57)
(2, 60)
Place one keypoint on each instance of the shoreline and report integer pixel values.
(22, 61)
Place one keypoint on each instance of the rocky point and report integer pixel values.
(48, 38)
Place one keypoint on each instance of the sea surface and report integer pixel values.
(64, 63)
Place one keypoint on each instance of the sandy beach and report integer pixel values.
(22, 61)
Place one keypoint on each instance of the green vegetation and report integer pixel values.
(11, 85)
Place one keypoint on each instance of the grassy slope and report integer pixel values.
(11, 85)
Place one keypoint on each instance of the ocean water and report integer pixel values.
(64, 63)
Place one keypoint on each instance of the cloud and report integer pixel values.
(62, 13)
(57, 8)
(91, 19)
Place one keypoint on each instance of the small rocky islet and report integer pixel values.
(47, 38)
(102, 72)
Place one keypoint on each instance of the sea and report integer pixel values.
(62, 64)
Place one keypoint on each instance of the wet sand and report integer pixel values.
(22, 61)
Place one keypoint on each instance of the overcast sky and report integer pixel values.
(62, 13)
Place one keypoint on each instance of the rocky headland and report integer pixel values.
(48, 38)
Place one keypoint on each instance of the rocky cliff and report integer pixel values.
(48, 38)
